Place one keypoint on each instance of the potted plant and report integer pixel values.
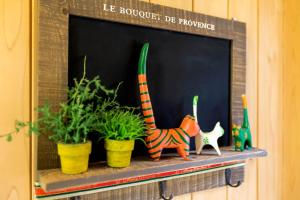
(70, 125)
(120, 127)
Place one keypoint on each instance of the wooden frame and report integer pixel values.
(52, 53)
(53, 49)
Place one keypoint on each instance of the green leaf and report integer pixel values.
(9, 138)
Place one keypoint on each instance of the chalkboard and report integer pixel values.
(179, 66)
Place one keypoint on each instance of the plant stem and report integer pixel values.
(7, 134)
(81, 80)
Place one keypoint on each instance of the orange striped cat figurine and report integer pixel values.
(158, 139)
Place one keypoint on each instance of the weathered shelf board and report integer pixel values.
(141, 171)
(147, 190)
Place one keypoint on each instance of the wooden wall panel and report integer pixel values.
(15, 97)
(270, 99)
(246, 11)
(182, 4)
(34, 84)
(210, 7)
(291, 95)
(218, 193)
(183, 197)
(213, 194)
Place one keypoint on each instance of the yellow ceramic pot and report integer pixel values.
(118, 152)
(74, 158)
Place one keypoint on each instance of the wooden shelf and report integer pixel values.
(142, 170)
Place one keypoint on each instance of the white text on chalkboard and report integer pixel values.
(158, 17)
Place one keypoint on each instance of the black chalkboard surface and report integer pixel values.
(179, 66)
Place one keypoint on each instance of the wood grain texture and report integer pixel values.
(183, 197)
(291, 99)
(270, 132)
(52, 71)
(177, 187)
(213, 194)
(54, 179)
(34, 84)
(93, 9)
(246, 11)
(185, 5)
(15, 98)
(211, 7)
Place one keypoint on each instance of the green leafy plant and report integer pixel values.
(121, 123)
(19, 125)
(76, 117)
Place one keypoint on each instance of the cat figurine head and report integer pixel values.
(218, 130)
(235, 130)
(190, 125)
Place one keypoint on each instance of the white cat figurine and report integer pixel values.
(209, 138)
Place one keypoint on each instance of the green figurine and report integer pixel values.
(242, 135)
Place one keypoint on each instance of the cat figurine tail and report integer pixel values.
(209, 138)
